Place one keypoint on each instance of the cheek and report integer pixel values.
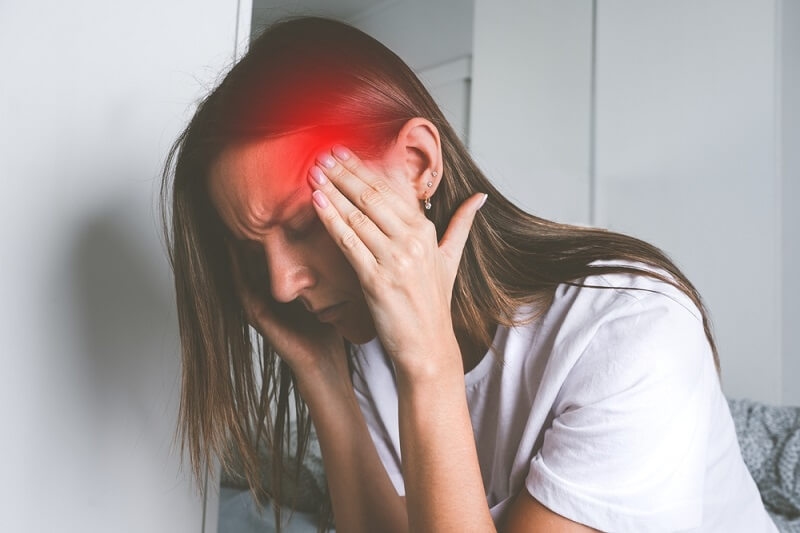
(329, 259)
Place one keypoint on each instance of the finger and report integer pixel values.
(455, 237)
(370, 234)
(353, 248)
(369, 193)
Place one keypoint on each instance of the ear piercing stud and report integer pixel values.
(429, 184)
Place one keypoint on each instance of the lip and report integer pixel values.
(329, 313)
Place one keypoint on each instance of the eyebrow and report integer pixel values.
(281, 208)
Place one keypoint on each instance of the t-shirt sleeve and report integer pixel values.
(626, 448)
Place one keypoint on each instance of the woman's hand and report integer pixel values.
(406, 275)
(407, 278)
(307, 345)
(362, 494)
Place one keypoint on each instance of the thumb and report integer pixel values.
(455, 237)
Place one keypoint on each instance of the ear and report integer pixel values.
(417, 155)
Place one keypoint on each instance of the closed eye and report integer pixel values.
(303, 226)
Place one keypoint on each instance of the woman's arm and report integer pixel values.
(444, 488)
(363, 497)
(407, 278)
(527, 514)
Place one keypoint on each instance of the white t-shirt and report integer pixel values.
(607, 409)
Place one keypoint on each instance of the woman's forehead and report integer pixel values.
(279, 163)
(254, 184)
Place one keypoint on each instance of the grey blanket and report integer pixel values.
(769, 437)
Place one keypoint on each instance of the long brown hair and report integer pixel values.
(317, 75)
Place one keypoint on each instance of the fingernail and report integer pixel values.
(319, 199)
(485, 196)
(326, 160)
(341, 152)
(317, 175)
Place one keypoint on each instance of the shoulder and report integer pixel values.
(621, 299)
(638, 283)
(633, 385)
(628, 328)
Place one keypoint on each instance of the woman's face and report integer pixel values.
(261, 193)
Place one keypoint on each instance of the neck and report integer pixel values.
(472, 351)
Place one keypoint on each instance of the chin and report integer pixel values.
(358, 339)
(358, 333)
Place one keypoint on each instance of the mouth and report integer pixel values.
(329, 313)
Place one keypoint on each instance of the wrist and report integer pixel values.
(328, 374)
(327, 390)
(436, 366)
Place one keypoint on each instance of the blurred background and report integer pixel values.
(677, 122)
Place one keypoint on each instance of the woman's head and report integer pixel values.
(260, 192)
(303, 85)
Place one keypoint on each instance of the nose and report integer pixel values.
(289, 272)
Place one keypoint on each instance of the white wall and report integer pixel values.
(789, 26)
(686, 158)
(423, 33)
(660, 120)
(433, 38)
(92, 94)
(530, 104)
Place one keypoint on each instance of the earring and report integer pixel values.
(427, 199)
(434, 173)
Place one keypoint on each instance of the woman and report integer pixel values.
(319, 196)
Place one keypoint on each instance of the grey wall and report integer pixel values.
(92, 95)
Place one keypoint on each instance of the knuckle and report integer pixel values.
(356, 218)
(371, 197)
(373, 279)
(415, 249)
(349, 240)
(353, 165)
(337, 172)
(381, 186)
(403, 263)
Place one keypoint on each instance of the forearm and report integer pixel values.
(363, 497)
(444, 487)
